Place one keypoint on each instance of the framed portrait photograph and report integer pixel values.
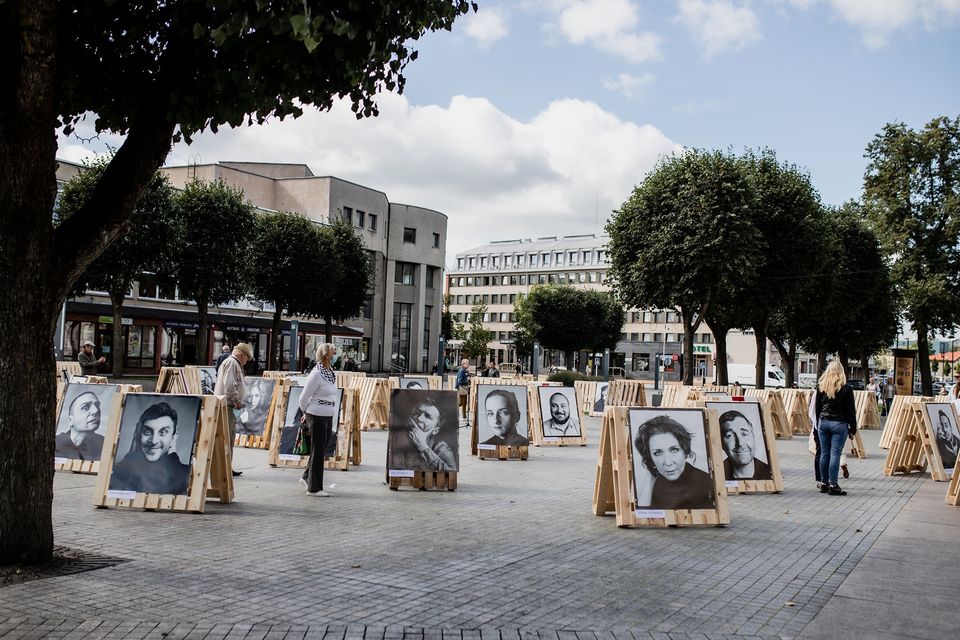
(600, 397)
(155, 443)
(208, 379)
(252, 417)
(502, 417)
(82, 421)
(671, 461)
(946, 435)
(424, 431)
(743, 438)
(414, 382)
(291, 424)
(559, 412)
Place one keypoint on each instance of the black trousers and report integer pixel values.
(320, 427)
(816, 456)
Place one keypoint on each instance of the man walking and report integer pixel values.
(230, 384)
(89, 362)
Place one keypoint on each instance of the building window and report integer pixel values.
(582, 277)
(372, 221)
(513, 298)
(404, 273)
(400, 355)
(648, 337)
(504, 317)
(706, 338)
(427, 315)
(505, 280)
(671, 337)
(634, 337)
(361, 218)
(546, 259)
(593, 276)
(431, 277)
(657, 337)
(459, 300)
(347, 215)
(647, 316)
(141, 343)
(558, 259)
(367, 312)
(485, 299)
(494, 299)
(671, 316)
(436, 241)
(552, 279)
(410, 235)
(459, 264)
(473, 263)
(533, 259)
(542, 279)
(483, 262)
(519, 260)
(496, 262)
(586, 257)
(522, 278)
(461, 282)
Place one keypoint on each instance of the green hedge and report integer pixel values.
(569, 377)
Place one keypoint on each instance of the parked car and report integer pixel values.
(856, 384)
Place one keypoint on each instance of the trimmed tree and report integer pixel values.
(683, 234)
(211, 260)
(289, 259)
(477, 342)
(348, 275)
(155, 72)
(145, 246)
(912, 194)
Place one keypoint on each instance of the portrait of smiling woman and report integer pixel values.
(670, 460)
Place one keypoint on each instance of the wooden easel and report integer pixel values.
(614, 485)
(493, 451)
(374, 403)
(210, 464)
(262, 441)
(929, 439)
(174, 380)
(586, 392)
(537, 437)
(899, 412)
(626, 393)
(781, 421)
(795, 403)
(422, 480)
(906, 453)
(953, 491)
(675, 394)
(66, 369)
(92, 467)
(348, 435)
(867, 415)
(775, 484)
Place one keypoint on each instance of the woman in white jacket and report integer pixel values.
(318, 403)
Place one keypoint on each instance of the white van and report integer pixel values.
(745, 375)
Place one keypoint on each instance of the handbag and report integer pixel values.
(302, 446)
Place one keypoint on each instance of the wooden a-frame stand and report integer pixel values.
(906, 453)
(614, 485)
(262, 441)
(374, 402)
(493, 451)
(210, 471)
(348, 435)
(423, 480)
(928, 438)
(775, 484)
(92, 467)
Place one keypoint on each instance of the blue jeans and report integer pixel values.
(833, 435)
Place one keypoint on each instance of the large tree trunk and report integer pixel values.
(202, 333)
(844, 357)
(116, 303)
(821, 360)
(688, 332)
(720, 340)
(328, 329)
(760, 337)
(865, 367)
(275, 360)
(788, 353)
(923, 353)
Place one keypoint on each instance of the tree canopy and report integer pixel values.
(476, 344)
(912, 195)
(348, 274)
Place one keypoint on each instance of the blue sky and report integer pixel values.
(537, 117)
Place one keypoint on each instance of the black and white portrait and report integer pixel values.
(291, 424)
(414, 382)
(155, 445)
(424, 433)
(208, 379)
(742, 438)
(502, 415)
(600, 398)
(945, 432)
(559, 412)
(82, 422)
(671, 467)
(252, 418)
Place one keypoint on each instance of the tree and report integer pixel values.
(476, 344)
(604, 313)
(153, 72)
(683, 234)
(524, 329)
(348, 276)
(145, 246)
(784, 214)
(450, 327)
(289, 257)
(211, 258)
(912, 194)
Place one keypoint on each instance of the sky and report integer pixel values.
(536, 118)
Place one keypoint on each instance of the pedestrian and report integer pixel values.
(462, 385)
(492, 370)
(436, 369)
(889, 390)
(231, 385)
(318, 402)
(814, 444)
(955, 391)
(88, 361)
(518, 369)
(836, 419)
(224, 354)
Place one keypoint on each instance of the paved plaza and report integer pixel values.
(514, 553)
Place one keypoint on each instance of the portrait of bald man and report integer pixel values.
(83, 413)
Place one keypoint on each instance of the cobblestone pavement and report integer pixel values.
(514, 553)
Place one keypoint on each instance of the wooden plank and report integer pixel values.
(906, 447)
(426, 481)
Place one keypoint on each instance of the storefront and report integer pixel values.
(139, 341)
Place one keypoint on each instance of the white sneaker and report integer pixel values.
(303, 481)
(318, 494)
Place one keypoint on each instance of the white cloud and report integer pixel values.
(719, 25)
(487, 25)
(627, 84)
(878, 20)
(494, 176)
(609, 25)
